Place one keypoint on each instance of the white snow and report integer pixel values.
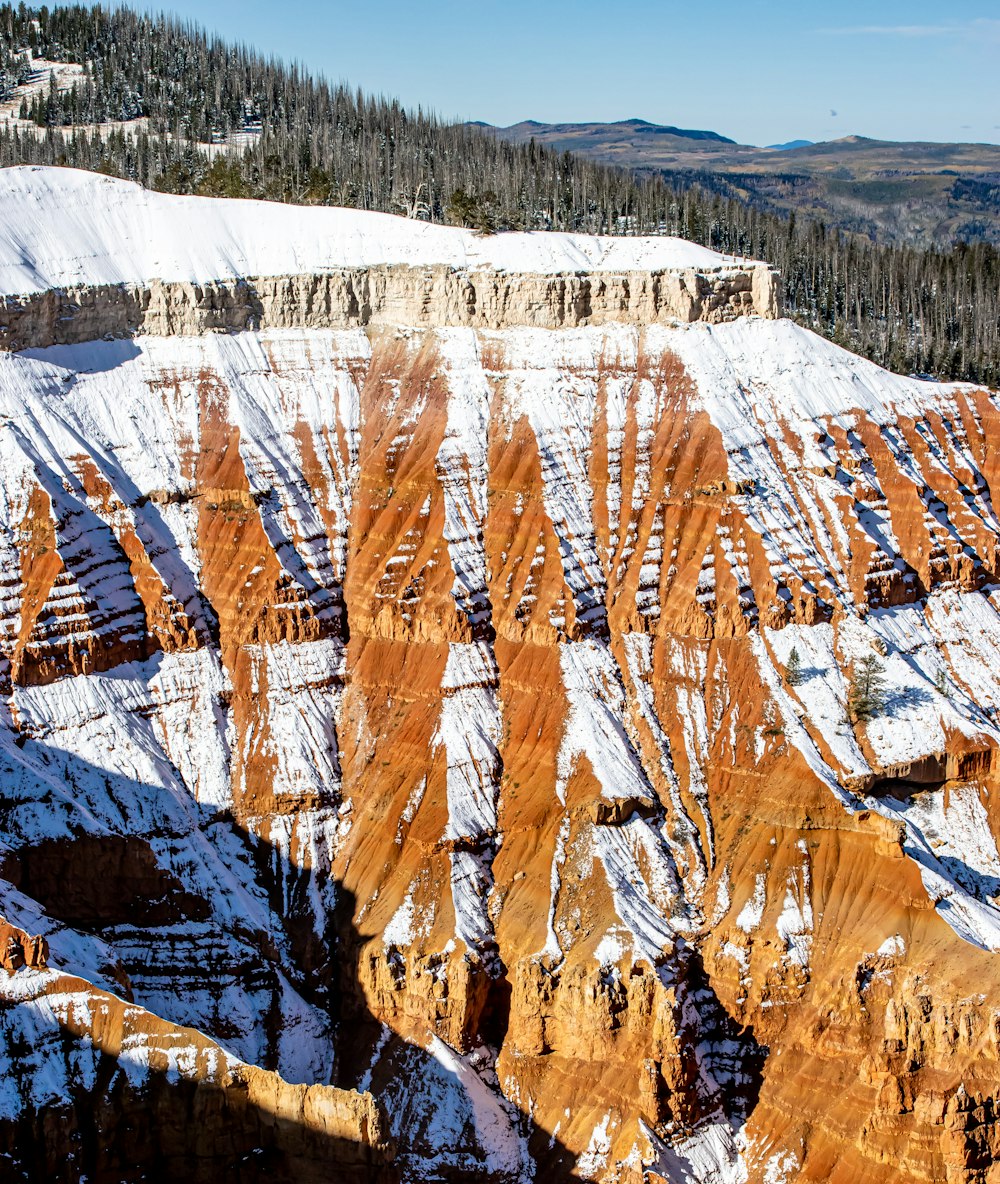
(776, 391)
(723, 898)
(384, 1036)
(552, 380)
(462, 469)
(690, 661)
(552, 946)
(594, 1158)
(795, 922)
(400, 930)
(43, 72)
(780, 1166)
(38, 1010)
(750, 915)
(912, 723)
(681, 833)
(96, 760)
(949, 836)
(792, 727)
(644, 885)
(302, 684)
(505, 1146)
(753, 375)
(712, 1154)
(594, 727)
(953, 846)
(822, 693)
(892, 947)
(613, 946)
(63, 227)
(469, 731)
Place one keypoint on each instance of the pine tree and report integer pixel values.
(867, 694)
(793, 669)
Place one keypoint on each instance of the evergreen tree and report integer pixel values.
(793, 668)
(476, 213)
(867, 694)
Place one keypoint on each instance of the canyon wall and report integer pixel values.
(400, 736)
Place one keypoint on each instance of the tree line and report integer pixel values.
(222, 120)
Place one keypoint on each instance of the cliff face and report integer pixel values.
(433, 296)
(117, 1093)
(406, 708)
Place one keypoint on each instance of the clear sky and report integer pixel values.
(759, 71)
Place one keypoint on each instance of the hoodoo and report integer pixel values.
(405, 773)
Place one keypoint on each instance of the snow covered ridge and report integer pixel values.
(84, 256)
(61, 227)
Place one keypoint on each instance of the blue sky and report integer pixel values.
(757, 71)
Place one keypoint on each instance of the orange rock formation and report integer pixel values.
(408, 710)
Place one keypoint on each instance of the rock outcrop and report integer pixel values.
(429, 297)
(18, 949)
(121, 1091)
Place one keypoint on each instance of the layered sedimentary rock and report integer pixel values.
(407, 709)
(432, 296)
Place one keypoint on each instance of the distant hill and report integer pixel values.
(622, 130)
(921, 193)
(629, 143)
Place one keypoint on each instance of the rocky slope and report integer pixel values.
(398, 748)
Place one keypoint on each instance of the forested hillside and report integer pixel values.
(912, 193)
(166, 105)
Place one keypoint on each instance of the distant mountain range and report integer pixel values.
(924, 193)
(612, 137)
(624, 129)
